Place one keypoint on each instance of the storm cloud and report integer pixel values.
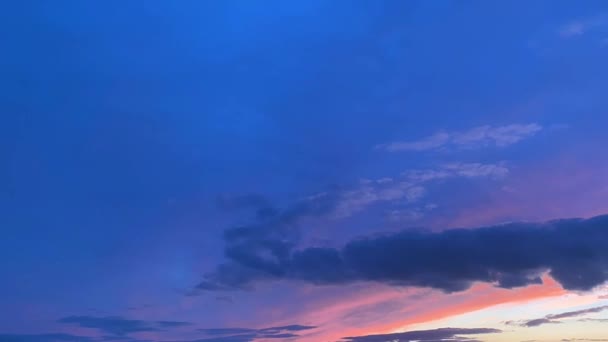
(510, 255)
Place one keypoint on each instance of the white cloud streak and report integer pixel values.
(410, 188)
(477, 137)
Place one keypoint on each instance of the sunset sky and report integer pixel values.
(303, 170)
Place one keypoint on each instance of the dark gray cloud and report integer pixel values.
(120, 326)
(59, 337)
(247, 201)
(443, 334)
(43, 338)
(510, 255)
(172, 324)
(232, 338)
(539, 321)
(246, 334)
(224, 299)
(555, 318)
(596, 320)
(227, 331)
(579, 312)
(262, 249)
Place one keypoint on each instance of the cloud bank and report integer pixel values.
(573, 251)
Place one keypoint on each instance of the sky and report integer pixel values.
(315, 171)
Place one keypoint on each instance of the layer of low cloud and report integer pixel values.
(120, 326)
(60, 337)
(481, 136)
(443, 334)
(120, 329)
(43, 338)
(250, 335)
(573, 251)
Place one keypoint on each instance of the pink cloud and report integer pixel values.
(373, 309)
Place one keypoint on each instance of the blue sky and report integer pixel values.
(151, 147)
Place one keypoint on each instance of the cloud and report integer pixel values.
(596, 320)
(249, 335)
(409, 188)
(43, 338)
(578, 312)
(511, 255)
(226, 331)
(472, 170)
(172, 324)
(235, 338)
(576, 28)
(235, 202)
(442, 334)
(120, 326)
(580, 27)
(539, 321)
(555, 318)
(482, 136)
(227, 299)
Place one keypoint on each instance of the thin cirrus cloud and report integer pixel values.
(507, 256)
(410, 187)
(442, 334)
(481, 136)
(583, 26)
(407, 188)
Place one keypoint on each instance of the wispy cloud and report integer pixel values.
(556, 318)
(582, 26)
(596, 320)
(481, 136)
(442, 334)
(576, 28)
(410, 187)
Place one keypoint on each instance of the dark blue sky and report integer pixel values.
(136, 135)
